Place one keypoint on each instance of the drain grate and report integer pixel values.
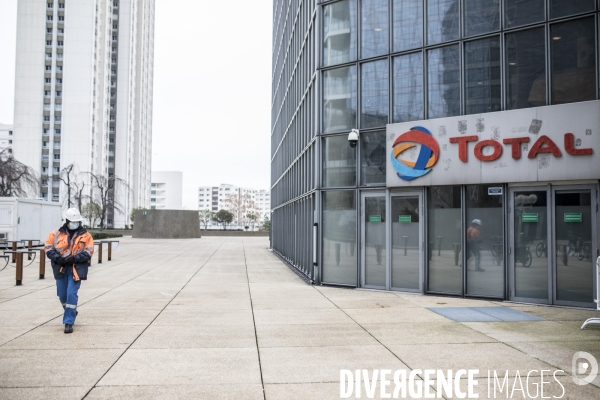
(483, 314)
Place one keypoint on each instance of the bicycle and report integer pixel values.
(523, 255)
(585, 251)
(542, 248)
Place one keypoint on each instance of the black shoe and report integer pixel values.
(76, 313)
(68, 328)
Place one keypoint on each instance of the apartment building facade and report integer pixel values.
(83, 95)
(166, 190)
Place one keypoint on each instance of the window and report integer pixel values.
(481, 16)
(46, 118)
(61, 30)
(48, 42)
(59, 68)
(374, 28)
(58, 93)
(59, 80)
(482, 75)
(339, 102)
(153, 200)
(61, 5)
(573, 61)
(57, 131)
(339, 232)
(57, 156)
(48, 80)
(115, 26)
(560, 8)
(48, 17)
(57, 118)
(55, 169)
(61, 17)
(372, 158)
(408, 88)
(48, 30)
(339, 32)
(339, 162)
(526, 69)
(48, 55)
(59, 55)
(408, 24)
(44, 169)
(114, 37)
(519, 12)
(45, 131)
(48, 67)
(442, 21)
(44, 144)
(60, 43)
(50, 5)
(443, 82)
(375, 94)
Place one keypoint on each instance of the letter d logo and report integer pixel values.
(580, 367)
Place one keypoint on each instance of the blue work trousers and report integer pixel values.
(66, 289)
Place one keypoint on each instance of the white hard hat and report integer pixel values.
(476, 221)
(73, 215)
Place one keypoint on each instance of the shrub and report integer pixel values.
(104, 235)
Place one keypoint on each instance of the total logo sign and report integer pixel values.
(540, 144)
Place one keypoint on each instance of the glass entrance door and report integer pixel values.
(574, 216)
(552, 248)
(373, 243)
(406, 240)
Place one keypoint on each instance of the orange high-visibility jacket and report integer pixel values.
(81, 248)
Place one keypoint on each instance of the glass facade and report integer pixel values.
(339, 237)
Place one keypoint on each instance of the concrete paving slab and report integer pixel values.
(44, 393)
(481, 356)
(208, 303)
(289, 317)
(185, 366)
(291, 303)
(196, 336)
(8, 333)
(439, 301)
(463, 314)
(393, 315)
(313, 335)
(14, 318)
(115, 317)
(392, 302)
(425, 333)
(36, 368)
(85, 337)
(322, 364)
(557, 313)
(182, 317)
(545, 331)
(172, 392)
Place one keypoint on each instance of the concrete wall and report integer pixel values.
(166, 224)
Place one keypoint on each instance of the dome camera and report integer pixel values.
(353, 138)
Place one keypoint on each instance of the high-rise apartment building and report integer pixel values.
(166, 190)
(6, 138)
(474, 171)
(83, 94)
(214, 198)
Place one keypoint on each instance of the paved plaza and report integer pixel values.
(224, 318)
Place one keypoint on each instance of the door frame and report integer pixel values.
(362, 226)
(594, 223)
(511, 243)
(420, 195)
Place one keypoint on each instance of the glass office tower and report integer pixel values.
(506, 91)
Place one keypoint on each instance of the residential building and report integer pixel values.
(6, 138)
(474, 168)
(166, 190)
(83, 94)
(214, 198)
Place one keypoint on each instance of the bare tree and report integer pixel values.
(240, 205)
(70, 176)
(104, 190)
(16, 178)
(91, 211)
(205, 217)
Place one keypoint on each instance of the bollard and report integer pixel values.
(439, 239)
(99, 252)
(109, 250)
(405, 243)
(42, 263)
(14, 249)
(19, 273)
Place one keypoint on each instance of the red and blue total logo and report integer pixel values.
(429, 153)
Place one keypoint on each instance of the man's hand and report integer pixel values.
(68, 260)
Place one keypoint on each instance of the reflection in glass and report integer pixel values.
(519, 12)
(339, 237)
(562, 8)
(375, 89)
(482, 75)
(444, 237)
(526, 69)
(408, 24)
(442, 21)
(374, 28)
(573, 61)
(408, 87)
(405, 243)
(339, 99)
(575, 264)
(372, 158)
(481, 16)
(375, 243)
(531, 230)
(339, 162)
(443, 82)
(339, 32)
(485, 242)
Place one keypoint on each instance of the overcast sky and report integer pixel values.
(212, 79)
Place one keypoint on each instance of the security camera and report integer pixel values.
(353, 138)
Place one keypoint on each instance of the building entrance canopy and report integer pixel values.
(553, 143)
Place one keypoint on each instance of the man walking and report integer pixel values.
(69, 248)
(474, 242)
